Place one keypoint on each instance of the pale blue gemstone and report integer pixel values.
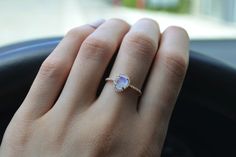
(121, 83)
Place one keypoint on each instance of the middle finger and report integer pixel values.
(89, 66)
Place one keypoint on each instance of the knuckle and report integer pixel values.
(144, 44)
(102, 141)
(97, 48)
(177, 64)
(97, 44)
(104, 134)
(53, 67)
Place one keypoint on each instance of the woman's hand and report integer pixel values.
(61, 115)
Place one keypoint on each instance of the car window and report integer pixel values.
(33, 19)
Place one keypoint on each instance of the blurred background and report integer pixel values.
(22, 20)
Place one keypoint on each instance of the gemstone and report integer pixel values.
(121, 82)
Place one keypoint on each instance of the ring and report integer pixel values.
(122, 82)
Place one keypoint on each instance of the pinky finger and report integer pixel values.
(165, 80)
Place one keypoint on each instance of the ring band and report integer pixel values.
(122, 82)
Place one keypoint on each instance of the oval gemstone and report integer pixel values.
(121, 82)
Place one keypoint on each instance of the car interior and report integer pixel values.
(203, 123)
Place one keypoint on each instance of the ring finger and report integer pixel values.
(134, 59)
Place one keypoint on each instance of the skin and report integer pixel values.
(61, 115)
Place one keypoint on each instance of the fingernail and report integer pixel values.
(97, 23)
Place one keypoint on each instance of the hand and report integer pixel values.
(62, 116)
